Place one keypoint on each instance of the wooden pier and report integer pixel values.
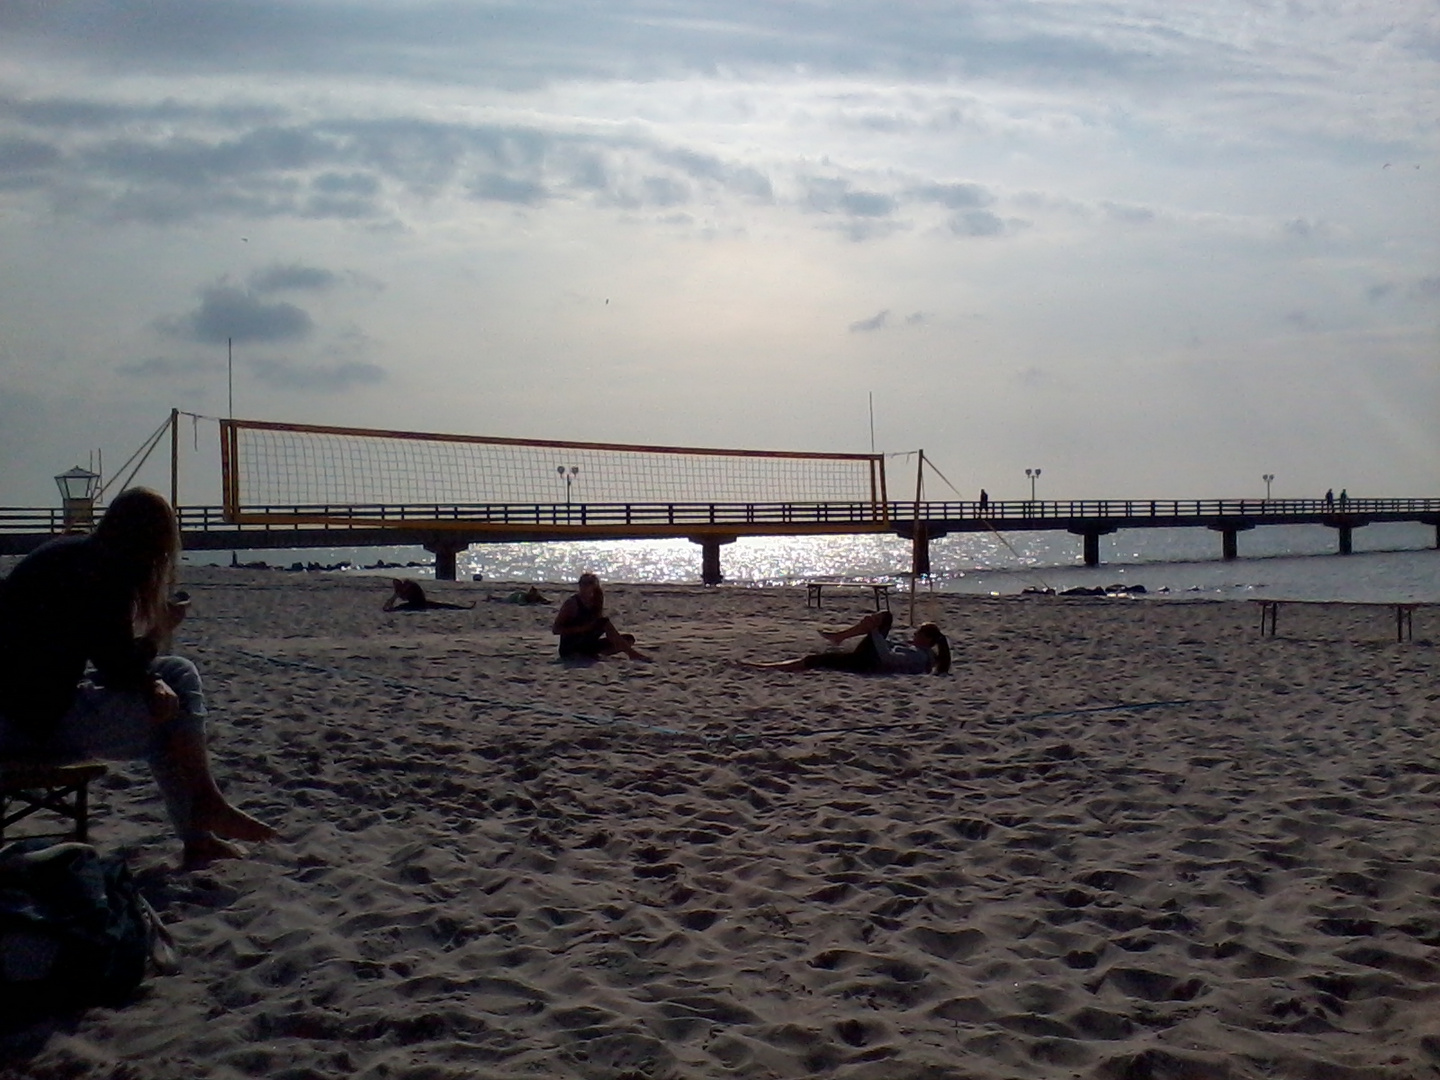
(446, 530)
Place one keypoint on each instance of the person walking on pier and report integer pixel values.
(105, 599)
(584, 631)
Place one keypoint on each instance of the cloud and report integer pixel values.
(955, 196)
(976, 223)
(26, 155)
(877, 321)
(508, 189)
(230, 313)
(323, 378)
(1129, 213)
(159, 367)
(830, 196)
(294, 277)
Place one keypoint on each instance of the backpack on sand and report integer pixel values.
(74, 929)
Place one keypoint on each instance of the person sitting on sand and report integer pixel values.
(104, 599)
(409, 596)
(584, 631)
(531, 595)
(929, 650)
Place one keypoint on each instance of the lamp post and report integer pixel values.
(1033, 474)
(77, 498)
(1269, 478)
(568, 475)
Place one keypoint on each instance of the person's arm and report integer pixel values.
(567, 622)
(121, 659)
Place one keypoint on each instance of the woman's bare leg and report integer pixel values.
(860, 629)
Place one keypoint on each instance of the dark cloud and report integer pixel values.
(877, 321)
(355, 183)
(1128, 213)
(534, 43)
(1301, 229)
(293, 277)
(838, 197)
(228, 313)
(26, 155)
(67, 114)
(160, 367)
(316, 378)
(508, 189)
(955, 196)
(976, 223)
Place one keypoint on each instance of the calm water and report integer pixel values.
(1392, 562)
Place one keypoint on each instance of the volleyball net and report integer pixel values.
(275, 472)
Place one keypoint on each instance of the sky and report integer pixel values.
(1155, 250)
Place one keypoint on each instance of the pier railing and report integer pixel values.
(813, 516)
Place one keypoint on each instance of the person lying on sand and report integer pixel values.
(929, 650)
(409, 596)
(531, 595)
(105, 599)
(584, 631)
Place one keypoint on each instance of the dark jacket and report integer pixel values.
(66, 603)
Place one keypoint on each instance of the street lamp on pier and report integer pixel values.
(568, 475)
(1269, 478)
(1033, 474)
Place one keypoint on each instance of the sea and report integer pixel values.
(1390, 562)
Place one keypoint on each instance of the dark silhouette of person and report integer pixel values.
(409, 596)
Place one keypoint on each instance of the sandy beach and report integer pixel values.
(1123, 840)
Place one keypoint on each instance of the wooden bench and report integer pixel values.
(814, 590)
(28, 787)
(1404, 616)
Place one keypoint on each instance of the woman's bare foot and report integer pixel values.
(206, 851)
(222, 819)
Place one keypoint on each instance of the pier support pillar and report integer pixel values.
(1091, 537)
(1228, 531)
(710, 573)
(920, 551)
(1346, 538)
(445, 550)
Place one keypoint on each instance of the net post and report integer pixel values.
(175, 460)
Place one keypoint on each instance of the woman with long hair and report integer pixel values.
(876, 654)
(105, 600)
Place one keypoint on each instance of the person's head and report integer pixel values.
(139, 532)
(929, 636)
(590, 592)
